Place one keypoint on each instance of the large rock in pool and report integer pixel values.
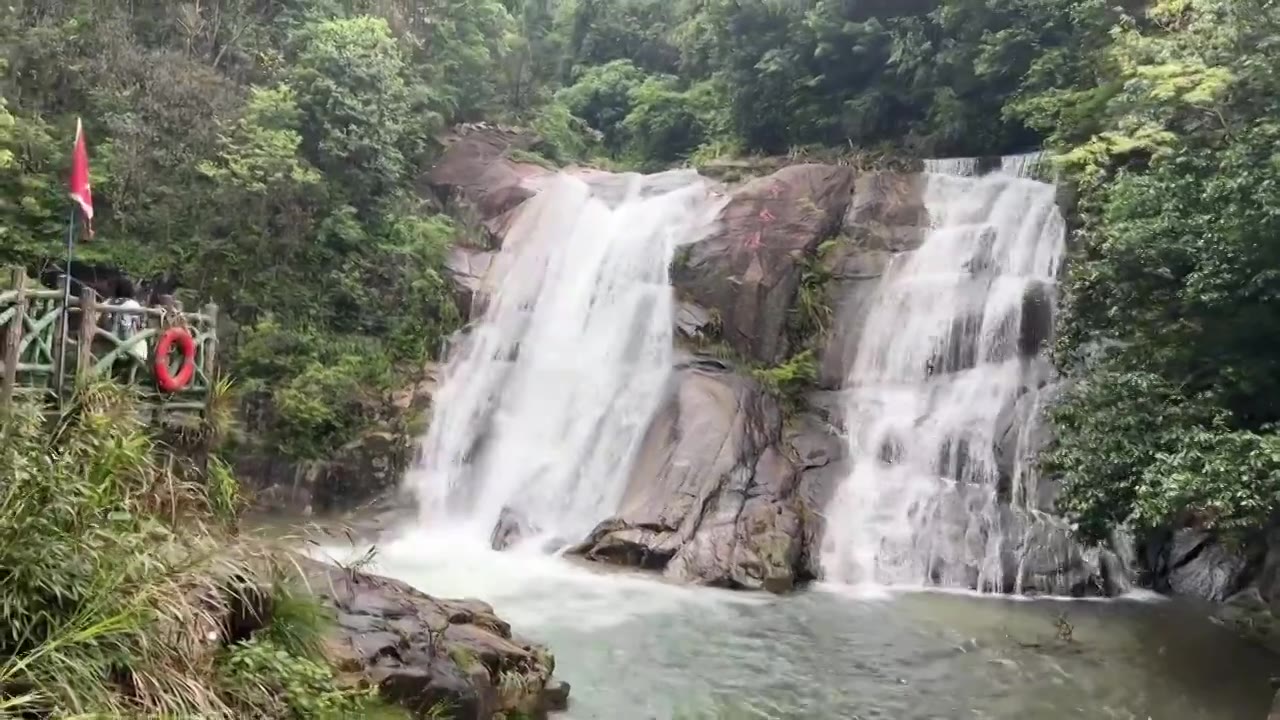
(424, 653)
(712, 498)
(1194, 563)
(749, 270)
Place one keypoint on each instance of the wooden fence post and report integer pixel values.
(13, 338)
(211, 358)
(60, 339)
(88, 330)
(211, 345)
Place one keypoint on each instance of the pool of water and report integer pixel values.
(636, 648)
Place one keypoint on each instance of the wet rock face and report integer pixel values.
(1193, 563)
(886, 218)
(1254, 611)
(483, 188)
(723, 491)
(467, 268)
(750, 269)
(712, 498)
(424, 653)
(1040, 556)
(358, 473)
(821, 454)
(477, 180)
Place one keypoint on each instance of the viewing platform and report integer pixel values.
(34, 346)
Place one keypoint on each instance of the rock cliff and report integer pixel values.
(732, 479)
(712, 498)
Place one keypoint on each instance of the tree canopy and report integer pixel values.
(263, 154)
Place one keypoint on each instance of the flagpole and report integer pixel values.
(66, 306)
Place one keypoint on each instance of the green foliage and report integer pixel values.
(267, 680)
(260, 157)
(811, 314)
(104, 561)
(602, 96)
(362, 122)
(225, 499)
(932, 76)
(116, 582)
(1222, 480)
(1109, 428)
(1169, 134)
(637, 31)
(322, 389)
(298, 622)
(931, 73)
(666, 124)
(28, 194)
(321, 406)
(791, 379)
(563, 137)
(260, 151)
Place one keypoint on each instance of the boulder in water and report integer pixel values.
(424, 653)
(1195, 564)
(712, 498)
(512, 527)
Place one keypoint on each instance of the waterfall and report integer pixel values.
(545, 401)
(952, 346)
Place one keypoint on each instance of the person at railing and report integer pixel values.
(127, 325)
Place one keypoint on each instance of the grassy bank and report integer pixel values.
(125, 593)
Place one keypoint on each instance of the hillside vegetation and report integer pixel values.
(265, 154)
(124, 593)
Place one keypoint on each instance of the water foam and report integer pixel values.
(951, 344)
(545, 402)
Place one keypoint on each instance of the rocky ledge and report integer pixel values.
(425, 653)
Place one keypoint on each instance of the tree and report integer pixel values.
(359, 121)
(1175, 282)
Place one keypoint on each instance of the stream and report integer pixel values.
(541, 425)
(636, 648)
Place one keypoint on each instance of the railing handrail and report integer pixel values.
(32, 337)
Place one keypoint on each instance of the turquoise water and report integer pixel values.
(636, 648)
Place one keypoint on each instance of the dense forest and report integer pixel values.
(264, 153)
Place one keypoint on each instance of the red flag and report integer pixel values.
(80, 178)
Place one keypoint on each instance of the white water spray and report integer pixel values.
(542, 409)
(950, 345)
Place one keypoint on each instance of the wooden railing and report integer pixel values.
(31, 342)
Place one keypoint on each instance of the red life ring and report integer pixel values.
(165, 378)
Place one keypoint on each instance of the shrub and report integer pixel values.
(116, 579)
(789, 380)
(1132, 448)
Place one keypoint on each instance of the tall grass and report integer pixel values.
(117, 579)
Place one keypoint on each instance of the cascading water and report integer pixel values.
(544, 404)
(952, 343)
